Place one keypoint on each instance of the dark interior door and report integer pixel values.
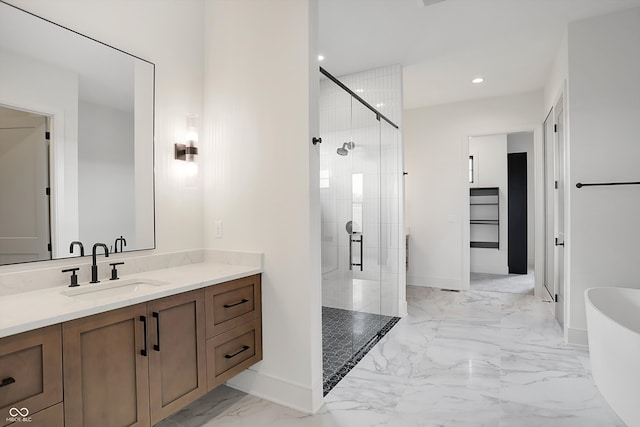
(517, 215)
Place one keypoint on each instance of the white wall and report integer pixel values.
(169, 34)
(490, 170)
(522, 142)
(436, 158)
(262, 178)
(604, 65)
(556, 80)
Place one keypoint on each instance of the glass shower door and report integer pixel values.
(350, 203)
(364, 240)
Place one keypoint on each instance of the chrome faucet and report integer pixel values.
(94, 266)
(75, 242)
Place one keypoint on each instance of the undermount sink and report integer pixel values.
(116, 288)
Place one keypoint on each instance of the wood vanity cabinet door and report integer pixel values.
(106, 376)
(30, 371)
(177, 361)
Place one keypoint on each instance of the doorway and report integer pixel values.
(517, 212)
(502, 226)
(24, 187)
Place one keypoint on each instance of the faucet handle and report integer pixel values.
(114, 270)
(74, 278)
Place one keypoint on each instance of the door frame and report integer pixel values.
(560, 174)
(551, 208)
(549, 205)
(539, 214)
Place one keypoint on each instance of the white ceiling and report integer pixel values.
(511, 43)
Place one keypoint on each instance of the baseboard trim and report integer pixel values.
(577, 337)
(278, 390)
(434, 282)
(489, 269)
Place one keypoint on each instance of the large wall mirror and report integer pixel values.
(76, 142)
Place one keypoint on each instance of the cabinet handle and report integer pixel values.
(238, 303)
(143, 319)
(156, 346)
(7, 381)
(244, 348)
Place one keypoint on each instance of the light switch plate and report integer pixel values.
(218, 224)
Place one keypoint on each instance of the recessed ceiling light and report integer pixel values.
(320, 57)
(478, 80)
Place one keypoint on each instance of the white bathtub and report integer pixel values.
(613, 326)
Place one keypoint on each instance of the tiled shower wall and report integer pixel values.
(378, 157)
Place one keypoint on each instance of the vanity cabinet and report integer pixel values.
(234, 328)
(30, 374)
(132, 366)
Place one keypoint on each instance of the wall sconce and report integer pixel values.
(188, 151)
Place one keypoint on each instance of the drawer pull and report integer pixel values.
(238, 303)
(244, 348)
(7, 381)
(143, 319)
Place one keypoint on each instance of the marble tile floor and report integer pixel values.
(473, 358)
(509, 283)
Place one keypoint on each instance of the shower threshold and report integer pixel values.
(347, 336)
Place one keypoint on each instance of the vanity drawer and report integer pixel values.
(231, 304)
(232, 352)
(50, 417)
(30, 371)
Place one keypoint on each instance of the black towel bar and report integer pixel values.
(580, 185)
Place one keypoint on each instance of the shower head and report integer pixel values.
(344, 150)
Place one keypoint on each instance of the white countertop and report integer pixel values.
(36, 309)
